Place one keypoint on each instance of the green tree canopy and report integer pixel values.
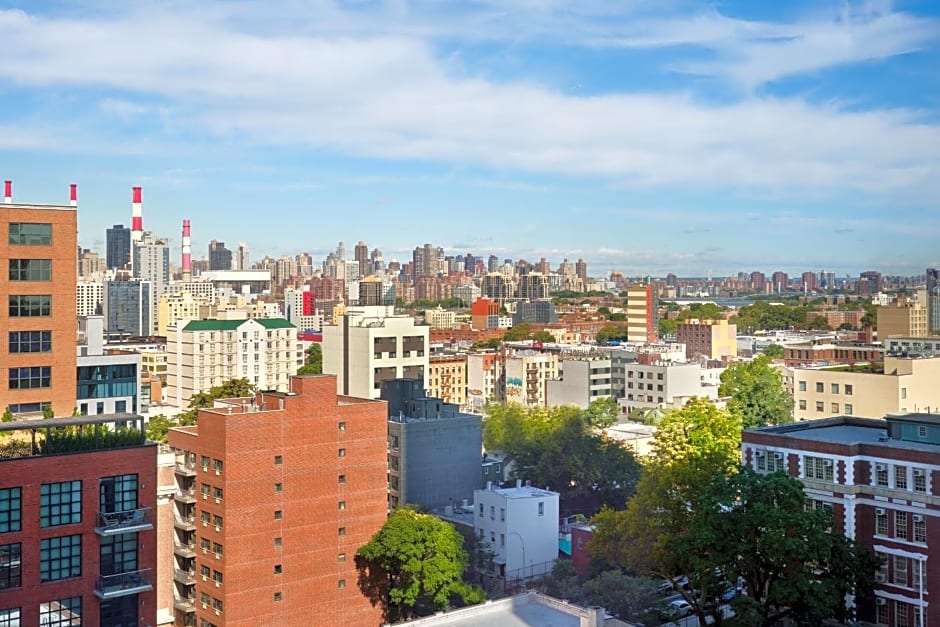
(775, 351)
(158, 426)
(518, 332)
(414, 558)
(757, 393)
(702, 311)
(602, 412)
(667, 326)
(491, 343)
(543, 336)
(762, 315)
(313, 362)
(233, 388)
(610, 333)
(559, 447)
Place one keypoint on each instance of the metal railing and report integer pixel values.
(128, 520)
(122, 584)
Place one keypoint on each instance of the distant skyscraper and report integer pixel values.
(425, 261)
(152, 263)
(809, 282)
(580, 268)
(242, 257)
(220, 257)
(118, 242)
(781, 282)
(128, 307)
(933, 299)
(362, 256)
(492, 264)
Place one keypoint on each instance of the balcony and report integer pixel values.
(181, 521)
(185, 496)
(130, 521)
(183, 549)
(185, 469)
(123, 584)
(184, 605)
(185, 577)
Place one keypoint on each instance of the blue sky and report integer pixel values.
(645, 136)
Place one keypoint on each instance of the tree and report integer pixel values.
(757, 393)
(414, 558)
(775, 351)
(758, 527)
(667, 326)
(233, 388)
(626, 597)
(7, 415)
(518, 332)
(543, 336)
(491, 343)
(560, 447)
(610, 333)
(313, 362)
(47, 411)
(818, 323)
(158, 427)
(602, 412)
(692, 447)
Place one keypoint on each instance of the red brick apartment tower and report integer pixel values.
(274, 497)
(881, 480)
(77, 542)
(38, 275)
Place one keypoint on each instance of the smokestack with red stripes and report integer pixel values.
(8, 192)
(187, 253)
(137, 218)
(73, 195)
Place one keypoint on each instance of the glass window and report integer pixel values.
(820, 406)
(920, 528)
(849, 409)
(802, 386)
(819, 387)
(818, 468)
(30, 306)
(278, 460)
(278, 569)
(900, 477)
(899, 571)
(11, 509)
(834, 388)
(835, 408)
(541, 508)
(30, 234)
(342, 452)
(881, 521)
(30, 269)
(118, 554)
(31, 378)
(342, 479)
(10, 565)
(217, 466)
(60, 503)
(217, 577)
(61, 613)
(802, 404)
(118, 493)
(60, 558)
(30, 341)
(848, 389)
(10, 617)
(881, 475)
(900, 525)
(278, 514)
(920, 481)
(217, 549)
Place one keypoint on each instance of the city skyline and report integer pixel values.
(643, 137)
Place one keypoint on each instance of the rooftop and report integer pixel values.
(73, 434)
(529, 609)
(522, 492)
(213, 324)
(849, 430)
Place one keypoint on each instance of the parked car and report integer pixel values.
(676, 609)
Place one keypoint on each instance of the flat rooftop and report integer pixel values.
(849, 430)
(530, 609)
(523, 492)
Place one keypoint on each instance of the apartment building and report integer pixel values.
(903, 317)
(274, 495)
(38, 285)
(650, 384)
(714, 339)
(879, 478)
(901, 344)
(77, 541)
(371, 345)
(908, 384)
(205, 353)
(829, 354)
(520, 524)
(433, 449)
(447, 379)
(440, 318)
(642, 325)
(177, 306)
(486, 379)
(582, 381)
(527, 375)
(89, 298)
(128, 307)
(108, 381)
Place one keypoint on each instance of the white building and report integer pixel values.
(520, 525)
(371, 345)
(527, 375)
(662, 384)
(485, 373)
(582, 381)
(440, 318)
(205, 353)
(89, 298)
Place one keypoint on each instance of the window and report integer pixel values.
(899, 572)
(541, 508)
(205, 463)
(217, 549)
(31, 306)
(30, 234)
(802, 386)
(60, 558)
(481, 510)
(278, 542)
(217, 521)
(802, 404)
(217, 466)
(204, 490)
(818, 468)
(502, 513)
(118, 554)
(341, 557)
(217, 605)
(848, 389)
(31, 378)
(278, 569)
(900, 477)
(881, 521)
(819, 387)
(901, 614)
(278, 596)
(900, 525)
(883, 614)
(10, 565)
(920, 528)
(278, 514)
(341, 479)
(903, 393)
(10, 618)
(30, 269)
(341, 426)
(30, 341)
(278, 487)
(848, 409)
(881, 475)
(820, 406)
(493, 537)
(834, 388)
(921, 430)
(204, 542)
(835, 408)
(60, 503)
(205, 517)
(342, 452)
(217, 578)
(11, 503)
(278, 460)
(492, 512)
(61, 612)
(205, 571)
(204, 598)
(342, 505)
(341, 584)
(502, 539)
(342, 531)
(920, 484)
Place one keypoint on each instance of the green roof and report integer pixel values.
(231, 325)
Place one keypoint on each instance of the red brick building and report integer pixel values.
(831, 354)
(275, 495)
(880, 479)
(77, 541)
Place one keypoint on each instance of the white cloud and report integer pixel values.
(391, 96)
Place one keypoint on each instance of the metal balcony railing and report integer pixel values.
(123, 584)
(128, 521)
(187, 469)
(186, 496)
(185, 577)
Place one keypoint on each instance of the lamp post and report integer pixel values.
(522, 542)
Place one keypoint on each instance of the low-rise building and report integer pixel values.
(713, 339)
(527, 375)
(582, 381)
(880, 479)
(107, 380)
(652, 384)
(829, 354)
(903, 317)
(447, 379)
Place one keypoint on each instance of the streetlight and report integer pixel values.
(522, 541)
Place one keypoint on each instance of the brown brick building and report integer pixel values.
(77, 541)
(38, 276)
(274, 497)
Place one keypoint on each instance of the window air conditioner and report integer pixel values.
(880, 511)
(204, 578)
(881, 467)
(760, 453)
(918, 518)
(918, 472)
(827, 463)
(879, 600)
(778, 456)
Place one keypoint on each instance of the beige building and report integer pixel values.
(715, 339)
(177, 306)
(527, 377)
(641, 315)
(447, 379)
(907, 385)
(89, 298)
(154, 362)
(906, 318)
(205, 353)
(440, 318)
